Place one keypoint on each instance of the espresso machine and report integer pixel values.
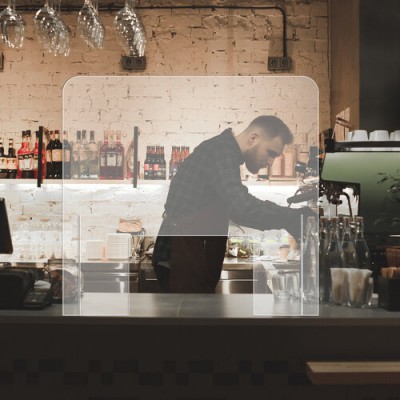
(372, 170)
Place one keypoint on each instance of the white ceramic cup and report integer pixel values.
(395, 136)
(349, 136)
(379, 135)
(359, 135)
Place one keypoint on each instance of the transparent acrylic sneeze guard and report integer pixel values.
(294, 284)
(172, 111)
(100, 269)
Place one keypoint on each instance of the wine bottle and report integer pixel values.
(56, 156)
(120, 154)
(36, 158)
(156, 162)
(103, 157)
(84, 157)
(3, 161)
(163, 165)
(146, 165)
(111, 158)
(67, 149)
(49, 162)
(11, 160)
(25, 157)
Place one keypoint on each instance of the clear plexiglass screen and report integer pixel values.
(109, 225)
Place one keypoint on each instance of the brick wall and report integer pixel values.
(180, 42)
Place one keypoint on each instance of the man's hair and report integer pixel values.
(272, 127)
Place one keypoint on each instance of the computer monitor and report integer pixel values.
(6, 246)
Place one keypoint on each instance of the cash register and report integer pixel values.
(18, 288)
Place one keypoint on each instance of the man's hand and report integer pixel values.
(294, 228)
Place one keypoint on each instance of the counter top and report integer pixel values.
(193, 309)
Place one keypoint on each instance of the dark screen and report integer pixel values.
(5, 235)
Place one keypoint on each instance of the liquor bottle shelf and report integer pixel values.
(128, 182)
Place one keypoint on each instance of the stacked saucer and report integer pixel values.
(118, 246)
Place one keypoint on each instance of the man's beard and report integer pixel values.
(249, 159)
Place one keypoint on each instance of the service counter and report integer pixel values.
(189, 347)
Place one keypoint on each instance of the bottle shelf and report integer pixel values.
(61, 182)
(128, 182)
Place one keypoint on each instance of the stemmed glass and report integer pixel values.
(51, 30)
(12, 26)
(90, 27)
(130, 30)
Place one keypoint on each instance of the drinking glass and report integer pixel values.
(12, 26)
(51, 30)
(89, 25)
(130, 30)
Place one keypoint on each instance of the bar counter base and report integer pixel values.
(175, 357)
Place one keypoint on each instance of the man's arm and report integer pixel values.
(247, 210)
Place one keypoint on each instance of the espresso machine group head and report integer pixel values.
(310, 174)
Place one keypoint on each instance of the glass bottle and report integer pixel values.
(3, 161)
(11, 160)
(84, 157)
(120, 154)
(310, 262)
(187, 152)
(277, 167)
(146, 165)
(49, 162)
(362, 249)
(172, 163)
(334, 254)
(156, 162)
(163, 165)
(179, 157)
(67, 149)
(152, 162)
(93, 157)
(129, 160)
(25, 157)
(56, 156)
(325, 280)
(36, 158)
(76, 151)
(103, 157)
(341, 228)
(349, 250)
(111, 157)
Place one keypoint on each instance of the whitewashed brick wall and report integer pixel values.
(180, 42)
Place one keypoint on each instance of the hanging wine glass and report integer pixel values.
(12, 26)
(89, 25)
(130, 31)
(51, 30)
